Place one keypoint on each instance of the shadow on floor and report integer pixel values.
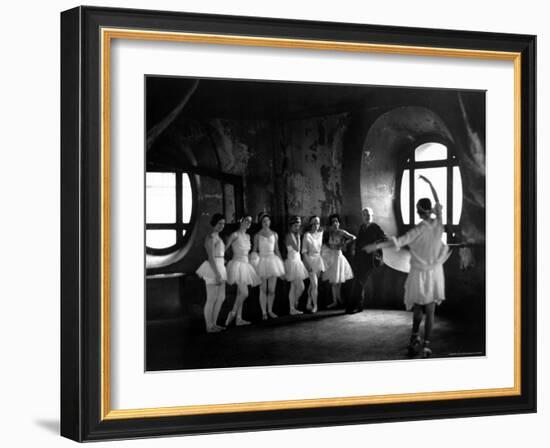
(324, 337)
(51, 426)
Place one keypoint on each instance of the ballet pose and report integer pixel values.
(311, 251)
(268, 265)
(295, 269)
(338, 269)
(239, 270)
(213, 272)
(425, 284)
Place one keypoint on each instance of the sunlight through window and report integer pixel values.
(161, 198)
(168, 209)
(430, 151)
(432, 161)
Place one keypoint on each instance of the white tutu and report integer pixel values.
(294, 267)
(206, 272)
(338, 268)
(241, 271)
(270, 266)
(315, 263)
(423, 287)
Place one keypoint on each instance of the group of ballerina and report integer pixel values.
(314, 257)
(259, 263)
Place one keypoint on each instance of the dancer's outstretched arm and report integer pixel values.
(437, 207)
(434, 193)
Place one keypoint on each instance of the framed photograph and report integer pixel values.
(277, 224)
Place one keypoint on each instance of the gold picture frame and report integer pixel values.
(97, 28)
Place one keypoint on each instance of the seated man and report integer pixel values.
(364, 263)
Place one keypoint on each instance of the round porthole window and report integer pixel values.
(169, 207)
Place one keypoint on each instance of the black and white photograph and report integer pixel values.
(275, 224)
(291, 223)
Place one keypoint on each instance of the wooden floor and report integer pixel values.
(324, 337)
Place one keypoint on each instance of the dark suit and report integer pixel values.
(363, 263)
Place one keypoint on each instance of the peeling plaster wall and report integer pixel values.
(291, 168)
(245, 149)
(313, 151)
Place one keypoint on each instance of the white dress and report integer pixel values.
(425, 283)
(338, 269)
(239, 269)
(311, 248)
(294, 267)
(205, 270)
(268, 263)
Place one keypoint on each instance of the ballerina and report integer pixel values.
(338, 269)
(425, 284)
(268, 265)
(311, 251)
(295, 269)
(213, 272)
(240, 271)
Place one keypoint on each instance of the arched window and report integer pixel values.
(434, 161)
(169, 210)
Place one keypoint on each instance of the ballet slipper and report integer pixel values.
(264, 316)
(230, 317)
(332, 305)
(240, 322)
(220, 327)
(213, 329)
(314, 309)
(414, 346)
(426, 350)
(272, 315)
(294, 312)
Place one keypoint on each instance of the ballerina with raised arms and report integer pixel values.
(425, 284)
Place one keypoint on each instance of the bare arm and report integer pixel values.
(437, 207)
(348, 236)
(434, 193)
(370, 248)
(276, 248)
(230, 241)
(304, 252)
(403, 240)
(291, 242)
(255, 248)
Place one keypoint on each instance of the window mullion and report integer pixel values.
(179, 211)
(450, 194)
(412, 206)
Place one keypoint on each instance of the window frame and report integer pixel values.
(194, 173)
(410, 164)
(178, 225)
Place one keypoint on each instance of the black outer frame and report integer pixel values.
(81, 207)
